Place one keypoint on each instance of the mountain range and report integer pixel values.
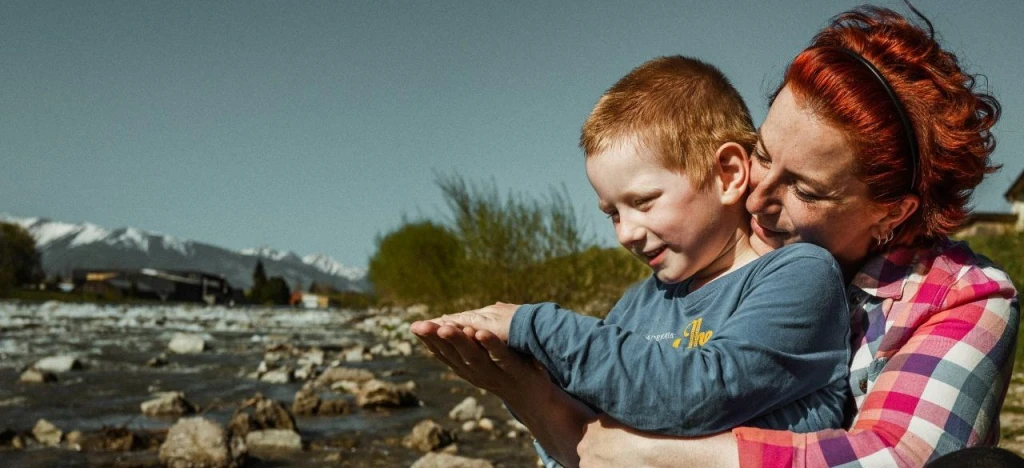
(66, 246)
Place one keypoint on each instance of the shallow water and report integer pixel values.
(115, 342)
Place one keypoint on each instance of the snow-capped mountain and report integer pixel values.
(65, 246)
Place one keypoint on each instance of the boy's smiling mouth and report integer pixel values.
(654, 257)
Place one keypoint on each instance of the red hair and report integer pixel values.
(950, 119)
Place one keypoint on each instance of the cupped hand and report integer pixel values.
(481, 358)
(495, 318)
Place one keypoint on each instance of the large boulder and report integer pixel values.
(195, 442)
(46, 433)
(428, 436)
(58, 364)
(168, 404)
(378, 394)
(187, 343)
(468, 410)
(444, 460)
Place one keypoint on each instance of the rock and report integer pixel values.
(273, 439)
(444, 460)
(468, 410)
(107, 439)
(336, 374)
(305, 371)
(168, 404)
(428, 436)
(259, 413)
(195, 442)
(377, 393)
(347, 386)
(306, 402)
(469, 426)
(486, 424)
(314, 357)
(46, 433)
(277, 376)
(37, 376)
(158, 361)
(184, 343)
(356, 354)
(333, 408)
(58, 364)
(11, 439)
(404, 348)
(263, 367)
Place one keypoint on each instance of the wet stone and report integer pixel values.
(194, 442)
(46, 433)
(378, 394)
(428, 436)
(185, 343)
(168, 404)
(444, 460)
(273, 439)
(468, 410)
(58, 364)
(37, 376)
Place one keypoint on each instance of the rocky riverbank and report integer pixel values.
(87, 385)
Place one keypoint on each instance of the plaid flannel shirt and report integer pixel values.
(933, 335)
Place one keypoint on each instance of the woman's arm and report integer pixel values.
(554, 418)
(606, 443)
(945, 360)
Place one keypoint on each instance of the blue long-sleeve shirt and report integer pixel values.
(766, 345)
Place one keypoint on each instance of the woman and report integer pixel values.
(871, 149)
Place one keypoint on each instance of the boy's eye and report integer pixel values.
(641, 202)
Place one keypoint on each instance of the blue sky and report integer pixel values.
(314, 126)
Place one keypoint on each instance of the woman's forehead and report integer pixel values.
(794, 136)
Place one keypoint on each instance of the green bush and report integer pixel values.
(512, 249)
(417, 263)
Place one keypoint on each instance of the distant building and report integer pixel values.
(309, 300)
(990, 223)
(151, 283)
(1016, 198)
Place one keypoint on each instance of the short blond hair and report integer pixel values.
(679, 107)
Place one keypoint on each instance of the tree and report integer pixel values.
(19, 259)
(276, 291)
(259, 275)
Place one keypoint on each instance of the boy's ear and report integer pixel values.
(732, 170)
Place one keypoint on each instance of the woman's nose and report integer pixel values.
(763, 198)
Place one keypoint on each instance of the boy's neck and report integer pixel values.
(736, 253)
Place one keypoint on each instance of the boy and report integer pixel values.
(717, 337)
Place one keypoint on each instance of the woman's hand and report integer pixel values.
(495, 318)
(606, 443)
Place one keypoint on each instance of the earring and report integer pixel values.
(885, 239)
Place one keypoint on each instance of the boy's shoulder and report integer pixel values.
(800, 249)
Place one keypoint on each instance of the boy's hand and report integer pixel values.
(481, 358)
(495, 318)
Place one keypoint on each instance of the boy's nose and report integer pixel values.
(629, 233)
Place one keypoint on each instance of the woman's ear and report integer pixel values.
(732, 169)
(896, 215)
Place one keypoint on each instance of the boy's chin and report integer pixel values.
(668, 277)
